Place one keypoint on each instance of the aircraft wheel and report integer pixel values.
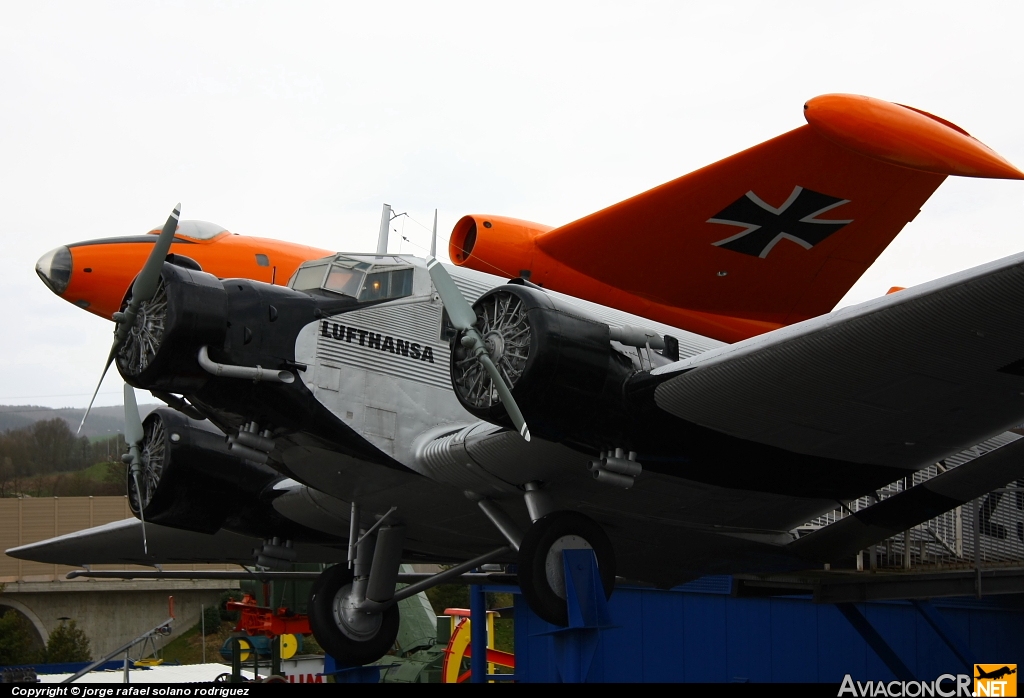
(314, 589)
(352, 637)
(541, 572)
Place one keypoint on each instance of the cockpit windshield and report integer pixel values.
(357, 278)
(345, 277)
(195, 230)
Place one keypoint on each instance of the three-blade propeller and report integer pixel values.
(143, 290)
(463, 318)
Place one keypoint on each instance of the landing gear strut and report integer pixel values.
(541, 570)
(352, 636)
(351, 610)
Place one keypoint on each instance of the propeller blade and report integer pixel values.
(110, 360)
(142, 516)
(149, 277)
(460, 312)
(463, 317)
(506, 395)
(133, 435)
(143, 289)
(133, 432)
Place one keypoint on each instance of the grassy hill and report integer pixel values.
(103, 421)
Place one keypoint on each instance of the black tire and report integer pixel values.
(542, 598)
(347, 648)
(314, 589)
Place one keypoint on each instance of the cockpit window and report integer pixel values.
(345, 281)
(195, 230)
(357, 279)
(395, 283)
(309, 278)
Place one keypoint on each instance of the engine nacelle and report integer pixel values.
(191, 481)
(188, 310)
(564, 373)
(228, 347)
(495, 244)
(242, 322)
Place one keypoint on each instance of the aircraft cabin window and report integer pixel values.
(262, 260)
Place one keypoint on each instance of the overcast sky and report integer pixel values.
(298, 120)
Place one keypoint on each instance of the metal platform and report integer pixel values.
(883, 585)
(725, 629)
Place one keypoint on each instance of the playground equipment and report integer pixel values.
(269, 632)
(162, 630)
(460, 647)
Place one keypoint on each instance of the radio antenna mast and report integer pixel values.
(433, 237)
(382, 236)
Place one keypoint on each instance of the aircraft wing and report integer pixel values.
(903, 380)
(120, 543)
(778, 233)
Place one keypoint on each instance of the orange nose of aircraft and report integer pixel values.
(54, 268)
(93, 275)
(96, 274)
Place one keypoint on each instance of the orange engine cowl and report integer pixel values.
(495, 244)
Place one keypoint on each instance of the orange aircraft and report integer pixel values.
(96, 274)
(768, 237)
(771, 236)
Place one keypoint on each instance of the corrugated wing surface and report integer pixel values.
(903, 380)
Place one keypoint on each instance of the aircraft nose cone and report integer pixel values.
(54, 268)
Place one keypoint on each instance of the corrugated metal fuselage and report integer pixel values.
(384, 372)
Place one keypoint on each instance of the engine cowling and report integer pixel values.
(242, 323)
(564, 374)
(191, 481)
(188, 310)
(495, 244)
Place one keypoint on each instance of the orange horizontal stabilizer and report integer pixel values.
(904, 136)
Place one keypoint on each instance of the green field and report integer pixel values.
(97, 472)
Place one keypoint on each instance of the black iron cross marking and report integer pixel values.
(764, 225)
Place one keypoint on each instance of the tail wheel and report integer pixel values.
(351, 636)
(541, 571)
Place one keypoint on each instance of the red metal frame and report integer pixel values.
(262, 620)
